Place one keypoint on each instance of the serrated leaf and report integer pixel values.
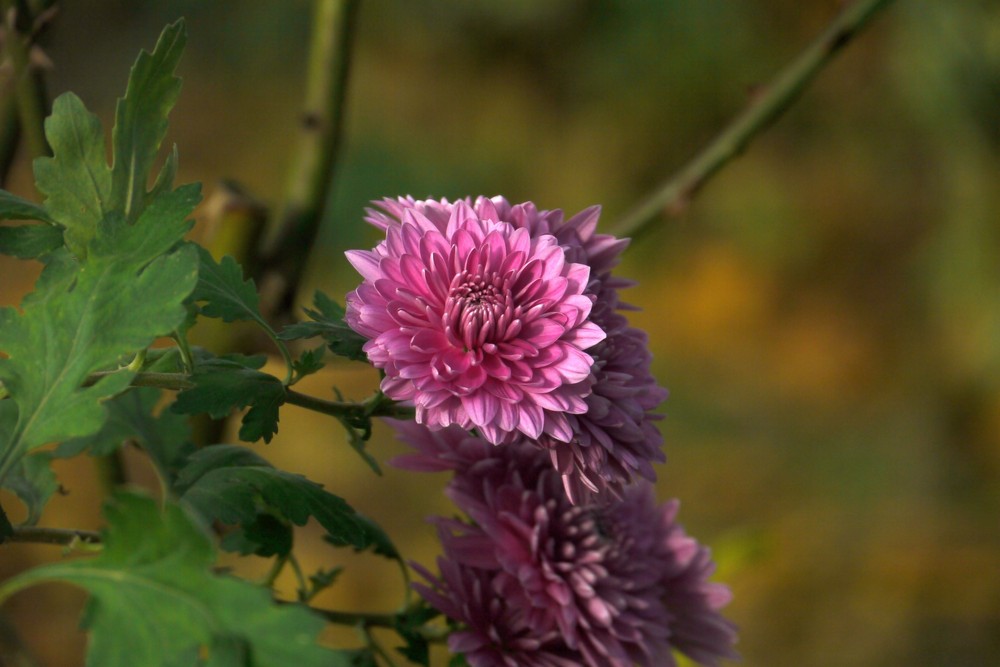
(417, 648)
(265, 536)
(233, 495)
(29, 241)
(164, 437)
(84, 316)
(323, 579)
(76, 180)
(13, 207)
(226, 295)
(378, 540)
(155, 600)
(213, 457)
(34, 483)
(222, 386)
(141, 120)
(328, 323)
(309, 362)
(165, 179)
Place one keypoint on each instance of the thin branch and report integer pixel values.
(351, 618)
(10, 131)
(174, 381)
(287, 245)
(673, 196)
(430, 632)
(29, 89)
(381, 407)
(376, 406)
(64, 536)
(111, 471)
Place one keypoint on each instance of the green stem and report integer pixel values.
(286, 355)
(138, 361)
(674, 195)
(10, 131)
(276, 568)
(187, 359)
(303, 591)
(110, 471)
(28, 85)
(62, 536)
(348, 408)
(376, 647)
(376, 406)
(357, 618)
(285, 248)
(174, 381)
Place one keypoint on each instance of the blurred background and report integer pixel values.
(826, 314)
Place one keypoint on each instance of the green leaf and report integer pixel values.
(309, 362)
(34, 483)
(30, 241)
(328, 323)
(141, 120)
(323, 579)
(165, 179)
(222, 386)
(84, 317)
(378, 540)
(417, 648)
(13, 207)
(155, 600)
(164, 437)
(76, 180)
(265, 536)
(227, 484)
(224, 292)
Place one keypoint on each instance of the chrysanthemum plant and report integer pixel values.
(506, 360)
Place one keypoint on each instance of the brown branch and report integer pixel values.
(63, 536)
(674, 195)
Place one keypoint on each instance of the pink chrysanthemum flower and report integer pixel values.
(613, 440)
(619, 582)
(478, 322)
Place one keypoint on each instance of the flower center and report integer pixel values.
(479, 309)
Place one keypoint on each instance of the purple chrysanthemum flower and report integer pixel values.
(495, 633)
(478, 322)
(613, 439)
(619, 582)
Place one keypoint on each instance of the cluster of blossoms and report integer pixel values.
(503, 326)
(537, 581)
(505, 319)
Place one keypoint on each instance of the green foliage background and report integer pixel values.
(826, 314)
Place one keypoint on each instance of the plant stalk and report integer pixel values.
(29, 88)
(377, 406)
(62, 536)
(675, 194)
(286, 246)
